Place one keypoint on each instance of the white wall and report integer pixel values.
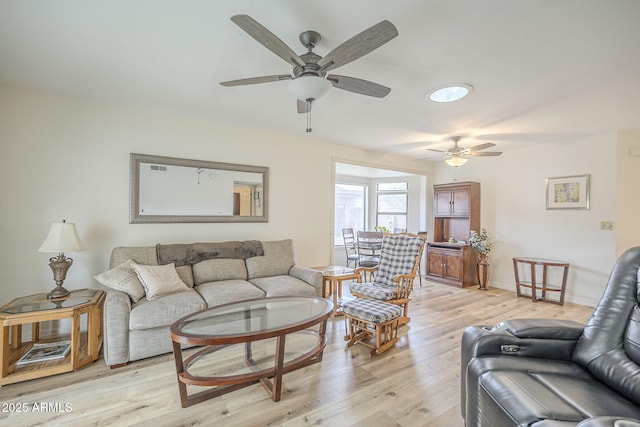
(68, 158)
(513, 210)
(64, 157)
(627, 225)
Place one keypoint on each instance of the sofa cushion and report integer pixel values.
(123, 278)
(212, 270)
(165, 310)
(226, 291)
(283, 286)
(373, 290)
(141, 254)
(277, 260)
(159, 280)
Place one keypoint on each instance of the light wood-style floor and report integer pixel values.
(414, 384)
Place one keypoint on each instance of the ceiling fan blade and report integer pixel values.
(437, 151)
(256, 80)
(482, 146)
(363, 87)
(266, 38)
(304, 106)
(359, 45)
(484, 153)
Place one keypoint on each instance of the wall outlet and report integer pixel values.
(606, 225)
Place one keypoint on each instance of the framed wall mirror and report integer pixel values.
(169, 189)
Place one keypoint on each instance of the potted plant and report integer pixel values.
(481, 244)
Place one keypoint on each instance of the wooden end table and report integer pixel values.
(332, 278)
(36, 309)
(545, 286)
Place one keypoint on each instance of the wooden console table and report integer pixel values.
(545, 286)
(36, 309)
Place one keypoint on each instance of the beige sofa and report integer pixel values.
(139, 329)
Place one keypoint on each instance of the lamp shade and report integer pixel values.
(62, 237)
(309, 87)
(456, 161)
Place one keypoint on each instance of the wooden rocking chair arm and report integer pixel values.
(365, 273)
(404, 283)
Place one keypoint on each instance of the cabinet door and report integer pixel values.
(442, 201)
(453, 266)
(435, 262)
(461, 205)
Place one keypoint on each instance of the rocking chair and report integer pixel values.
(392, 280)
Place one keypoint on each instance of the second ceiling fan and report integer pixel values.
(309, 78)
(456, 154)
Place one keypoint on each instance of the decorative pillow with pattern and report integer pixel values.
(123, 278)
(159, 280)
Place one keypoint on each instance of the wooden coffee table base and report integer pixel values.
(296, 326)
(226, 384)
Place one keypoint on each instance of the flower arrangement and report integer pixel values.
(480, 242)
(381, 228)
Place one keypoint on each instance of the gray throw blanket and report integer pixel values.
(191, 253)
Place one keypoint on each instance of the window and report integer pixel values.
(391, 205)
(351, 209)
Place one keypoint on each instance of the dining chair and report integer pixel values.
(350, 246)
(368, 244)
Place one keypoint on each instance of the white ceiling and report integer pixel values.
(544, 71)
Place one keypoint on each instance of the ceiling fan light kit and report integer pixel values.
(450, 93)
(456, 161)
(309, 78)
(307, 88)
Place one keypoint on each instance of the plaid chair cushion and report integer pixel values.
(373, 290)
(371, 310)
(397, 256)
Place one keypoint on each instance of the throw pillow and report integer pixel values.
(185, 274)
(123, 278)
(159, 280)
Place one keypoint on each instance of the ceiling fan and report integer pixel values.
(456, 154)
(309, 79)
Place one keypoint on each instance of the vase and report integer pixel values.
(483, 258)
(483, 271)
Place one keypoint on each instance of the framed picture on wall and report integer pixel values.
(568, 192)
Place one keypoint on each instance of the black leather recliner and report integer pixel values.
(559, 373)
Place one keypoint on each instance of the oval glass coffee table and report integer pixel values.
(244, 343)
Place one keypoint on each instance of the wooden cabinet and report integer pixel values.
(456, 211)
(445, 263)
(452, 202)
(451, 264)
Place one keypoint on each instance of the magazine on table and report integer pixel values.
(43, 352)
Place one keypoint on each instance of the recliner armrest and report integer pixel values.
(544, 328)
(542, 338)
(535, 338)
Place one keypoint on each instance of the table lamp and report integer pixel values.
(62, 238)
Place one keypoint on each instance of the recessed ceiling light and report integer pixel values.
(450, 93)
